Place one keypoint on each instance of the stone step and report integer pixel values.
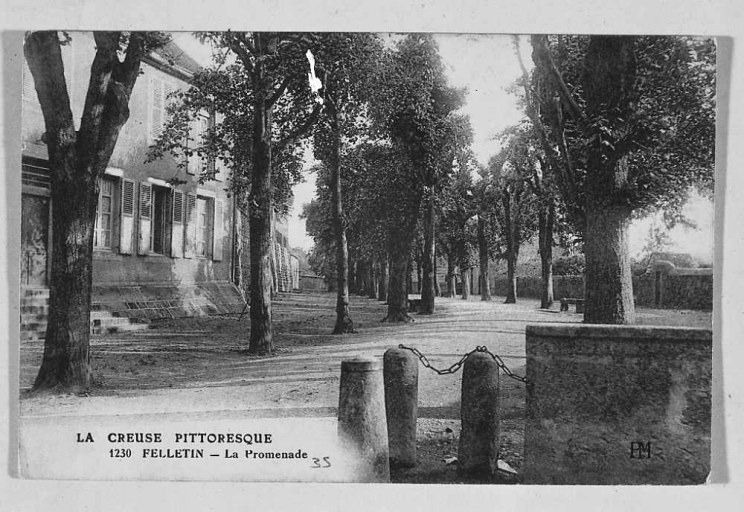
(33, 318)
(124, 327)
(32, 335)
(35, 300)
(36, 327)
(35, 292)
(111, 321)
(34, 309)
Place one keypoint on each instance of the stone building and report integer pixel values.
(160, 250)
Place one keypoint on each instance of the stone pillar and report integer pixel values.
(479, 412)
(401, 405)
(362, 427)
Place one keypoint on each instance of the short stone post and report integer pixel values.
(400, 372)
(479, 413)
(362, 427)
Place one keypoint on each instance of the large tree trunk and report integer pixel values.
(261, 339)
(352, 274)
(398, 287)
(373, 278)
(512, 248)
(361, 277)
(437, 288)
(409, 277)
(427, 286)
(609, 287)
(399, 249)
(610, 70)
(344, 324)
(77, 160)
(383, 290)
(66, 360)
(485, 284)
(451, 289)
(546, 219)
(465, 277)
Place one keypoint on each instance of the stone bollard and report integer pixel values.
(362, 427)
(400, 372)
(479, 412)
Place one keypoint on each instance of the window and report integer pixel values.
(103, 236)
(197, 129)
(126, 244)
(161, 220)
(203, 227)
(158, 99)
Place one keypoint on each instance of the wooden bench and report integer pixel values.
(579, 303)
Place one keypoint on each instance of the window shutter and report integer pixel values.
(127, 217)
(177, 229)
(220, 168)
(192, 165)
(190, 251)
(145, 213)
(218, 231)
(157, 108)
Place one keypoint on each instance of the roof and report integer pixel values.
(172, 59)
(678, 259)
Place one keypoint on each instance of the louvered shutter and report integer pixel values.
(220, 169)
(190, 251)
(145, 216)
(157, 108)
(192, 164)
(178, 225)
(218, 231)
(126, 231)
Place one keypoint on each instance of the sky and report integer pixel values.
(487, 65)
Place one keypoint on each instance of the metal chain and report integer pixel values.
(452, 369)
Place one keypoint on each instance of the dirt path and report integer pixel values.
(197, 368)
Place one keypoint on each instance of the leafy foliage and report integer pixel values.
(663, 121)
(224, 92)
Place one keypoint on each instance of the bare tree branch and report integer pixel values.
(280, 90)
(44, 57)
(101, 71)
(242, 47)
(542, 52)
(567, 184)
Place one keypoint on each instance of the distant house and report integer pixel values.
(160, 249)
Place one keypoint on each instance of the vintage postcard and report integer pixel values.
(367, 257)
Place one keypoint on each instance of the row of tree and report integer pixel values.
(614, 126)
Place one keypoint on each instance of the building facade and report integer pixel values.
(160, 250)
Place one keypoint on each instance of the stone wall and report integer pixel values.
(312, 283)
(679, 289)
(531, 287)
(617, 405)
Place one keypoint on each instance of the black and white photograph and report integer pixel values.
(490, 260)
